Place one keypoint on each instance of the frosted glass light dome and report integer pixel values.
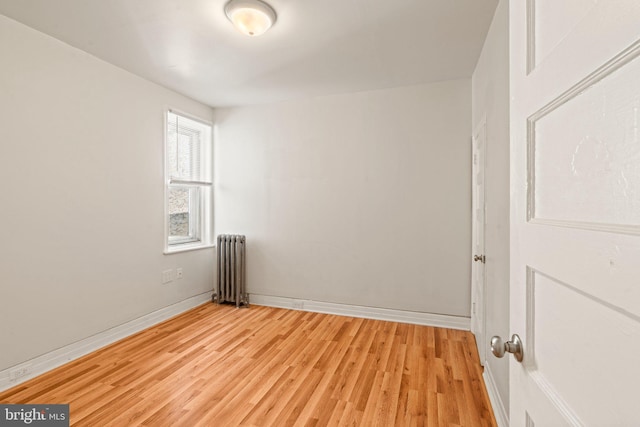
(250, 17)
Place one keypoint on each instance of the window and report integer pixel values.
(188, 158)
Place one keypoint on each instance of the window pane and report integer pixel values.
(179, 209)
(184, 139)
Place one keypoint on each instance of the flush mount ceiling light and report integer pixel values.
(251, 17)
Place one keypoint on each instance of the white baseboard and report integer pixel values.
(53, 359)
(502, 416)
(427, 319)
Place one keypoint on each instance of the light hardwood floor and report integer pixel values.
(222, 366)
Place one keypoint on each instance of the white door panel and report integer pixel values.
(581, 39)
(575, 219)
(478, 290)
(557, 20)
(586, 143)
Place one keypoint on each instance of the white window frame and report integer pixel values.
(200, 210)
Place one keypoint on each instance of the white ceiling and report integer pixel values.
(316, 47)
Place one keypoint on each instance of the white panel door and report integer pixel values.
(478, 313)
(575, 218)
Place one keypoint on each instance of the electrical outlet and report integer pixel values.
(167, 276)
(179, 273)
(20, 372)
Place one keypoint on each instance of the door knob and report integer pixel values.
(499, 347)
(479, 258)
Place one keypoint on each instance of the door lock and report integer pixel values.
(499, 347)
(479, 258)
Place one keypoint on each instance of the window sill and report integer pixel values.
(186, 247)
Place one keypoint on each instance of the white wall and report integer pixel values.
(82, 197)
(360, 199)
(491, 100)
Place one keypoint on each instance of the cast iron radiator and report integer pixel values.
(231, 279)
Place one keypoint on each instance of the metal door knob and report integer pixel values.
(479, 258)
(499, 347)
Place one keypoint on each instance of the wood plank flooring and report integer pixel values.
(222, 366)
